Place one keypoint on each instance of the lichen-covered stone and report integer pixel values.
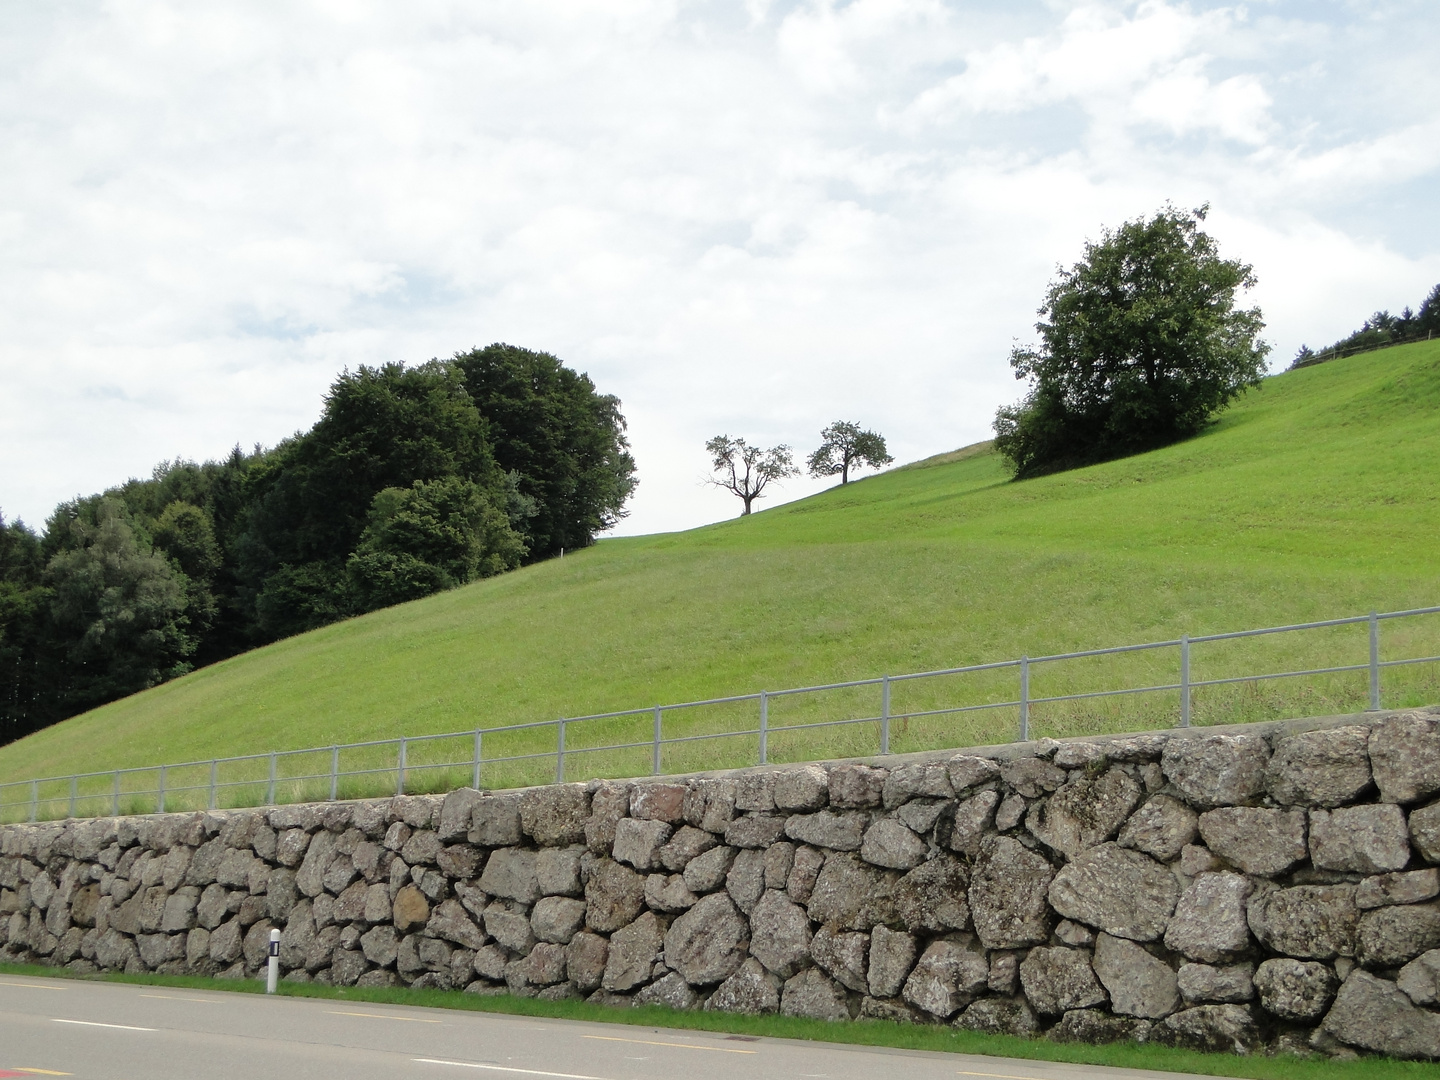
(1411, 887)
(947, 977)
(841, 954)
(554, 816)
(1094, 1026)
(609, 802)
(1296, 990)
(801, 788)
(706, 872)
(1425, 831)
(557, 871)
(1057, 979)
(556, 919)
(1374, 1014)
(708, 943)
(1138, 983)
(1309, 922)
(1258, 841)
(1217, 770)
(667, 893)
(933, 896)
(755, 831)
(1210, 921)
(1032, 777)
(1420, 978)
(1125, 893)
(686, 844)
(1161, 828)
(585, 958)
(495, 821)
(1363, 839)
(1319, 768)
(1390, 936)
(930, 779)
(1213, 1029)
(972, 820)
(638, 841)
(746, 880)
(813, 995)
(1231, 984)
(671, 991)
(1405, 757)
(752, 991)
(856, 787)
(891, 844)
(1007, 895)
(852, 894)
(779, 934)
(999, 1016)
(614, 896)
(842, 831)
(892, 957)
(658, 801)
(632, 952)
(1084, 812)
(510, 872)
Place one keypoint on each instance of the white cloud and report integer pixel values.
(754, 221)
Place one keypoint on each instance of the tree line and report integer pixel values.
(414, 479)
(1378, 331)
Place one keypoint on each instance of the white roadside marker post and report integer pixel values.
(272, 976)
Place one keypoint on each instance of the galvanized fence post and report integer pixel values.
(1024, 699)
(214, 766)
(655, 757)
(270, 787)
(334, 772)
(161, 808)
(885, 714)
(560, 752)
(1184, 680)
(764, 727)
(475, 783)
(400, 770)
(1374, 662)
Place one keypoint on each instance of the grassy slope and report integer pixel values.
(1313, 497)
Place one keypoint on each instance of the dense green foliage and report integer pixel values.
(405, 486)
(1310, 498)
(1141, 344)
(1380, 330)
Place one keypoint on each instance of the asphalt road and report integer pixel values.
(106, 1031)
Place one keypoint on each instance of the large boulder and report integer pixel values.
(927, 779)
(555, 815)
(1390, 936)
(1310, 922)
(1085, 812)
(585, 960)
(1405, 757)
(1420, 978)
(614, 895)
(555, 919)
(1362, 839)
(707, 872)
(1161, 828)
(631, 957)
(842, 954)
(779, 934)
(746, 880)
(1411, 887)
(1228, 985)
(813, 995)
(1210, 923)
(971, 823)
(658, 801)
(1058, 979)
(947, 977)
(892, 957)
(999, 1016)
(495, 821)
(1139, 984)
(1007, 894)
(754, 830)
(1319, 768)
(1425, 831)
(638, 842)
(708, 943)
(1213, 1029)
(609, 802)
(1217, 770)
(1296, 990)
(1125, 893)
(557, 871)
(752, 990)
(801, 788)
(1374, 1014)
(932, 897)
(1258, 841)
(856, 787)
(891, 844)
(510, 873)
(827, 829)
(852, 894)
(1094, 1026)
(457, 814)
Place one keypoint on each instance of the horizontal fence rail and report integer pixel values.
(439, 762)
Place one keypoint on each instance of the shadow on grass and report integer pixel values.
(937, 1039)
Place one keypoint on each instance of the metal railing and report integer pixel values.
(261, 785)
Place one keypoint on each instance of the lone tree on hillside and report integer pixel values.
(845, 445)
(1141, 344)
(746, 471)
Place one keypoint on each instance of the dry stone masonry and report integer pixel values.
(1257, 890)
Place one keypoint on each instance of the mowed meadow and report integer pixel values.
(1313, 497)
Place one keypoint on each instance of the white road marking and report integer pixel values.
(92, 1023)
(33, 986)
(505, 1068)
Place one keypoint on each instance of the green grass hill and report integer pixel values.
(1313, 497)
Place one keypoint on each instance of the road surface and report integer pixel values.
(109, 1031)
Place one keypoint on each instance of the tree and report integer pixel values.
(845, 445)
(564, 442)
(746, 471)
(1141, 344)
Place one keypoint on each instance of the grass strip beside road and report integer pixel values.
(939, 1039)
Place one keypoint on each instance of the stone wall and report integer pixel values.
(1258, 889)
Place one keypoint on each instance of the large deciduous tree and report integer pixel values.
(746, 471)
(1141, 343)
(562, 442)
(843, 447)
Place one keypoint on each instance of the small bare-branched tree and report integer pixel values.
(844, 446)
(746, 471)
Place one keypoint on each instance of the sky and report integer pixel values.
(750, 218)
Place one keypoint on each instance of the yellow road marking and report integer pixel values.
(34, 986)
(384, 1016)
(177, 997)
(686, 1046)
(42, 1072)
